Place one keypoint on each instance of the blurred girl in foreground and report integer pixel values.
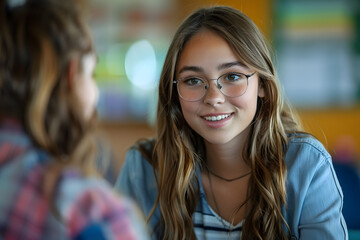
(48, 181)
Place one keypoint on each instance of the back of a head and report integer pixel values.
(39, 38)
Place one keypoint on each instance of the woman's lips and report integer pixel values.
(217, 120)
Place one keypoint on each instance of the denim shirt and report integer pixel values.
(314, 196)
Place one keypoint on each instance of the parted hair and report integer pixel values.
(38, 40)
(178, 150)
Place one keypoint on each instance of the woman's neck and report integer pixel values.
(227, 159)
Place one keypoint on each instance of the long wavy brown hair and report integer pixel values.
(38, 40)
(178, 150)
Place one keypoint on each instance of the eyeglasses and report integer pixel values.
(194, 88)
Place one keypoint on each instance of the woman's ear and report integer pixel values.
(72, 72)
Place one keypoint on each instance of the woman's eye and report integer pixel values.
(193, 81)
(233, 77)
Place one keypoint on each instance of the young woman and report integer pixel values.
(229, 160)
(49, 184)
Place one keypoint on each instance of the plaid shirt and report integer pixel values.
(87, 206)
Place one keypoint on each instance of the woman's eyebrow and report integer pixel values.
(191, 68)
(231, 64)
(220, 67)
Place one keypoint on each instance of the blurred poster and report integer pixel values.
(315, 51)
(131, 38)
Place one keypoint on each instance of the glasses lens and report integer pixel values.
(233, 84)
(192, 89)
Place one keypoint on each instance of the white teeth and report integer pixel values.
(217, 118)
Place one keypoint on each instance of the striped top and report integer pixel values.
(87, 208)
(209, 225)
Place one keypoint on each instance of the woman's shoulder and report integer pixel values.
(307, 147)
(137, 176)
(314, 195)
(306, 156)
(140, 155)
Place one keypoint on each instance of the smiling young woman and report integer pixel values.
(229, 159)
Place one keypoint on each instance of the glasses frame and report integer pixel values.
(217, 85)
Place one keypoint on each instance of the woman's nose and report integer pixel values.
(213, 94)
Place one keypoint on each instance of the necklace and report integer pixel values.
(230, 227)
(227, 179)
(216, 206)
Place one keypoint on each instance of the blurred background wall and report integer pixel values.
(317, 55)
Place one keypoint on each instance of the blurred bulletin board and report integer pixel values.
(131, 38)
(315, 44)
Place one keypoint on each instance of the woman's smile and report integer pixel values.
(217, 120)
